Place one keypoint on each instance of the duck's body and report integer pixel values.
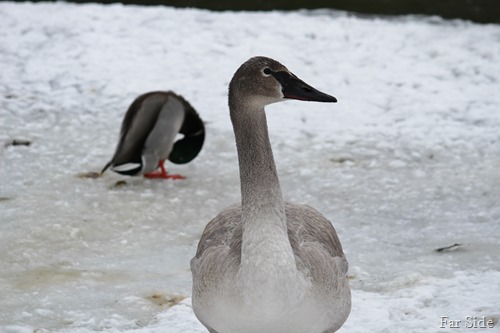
(148, 133)
(265, 265)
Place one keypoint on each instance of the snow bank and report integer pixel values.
(405, 163)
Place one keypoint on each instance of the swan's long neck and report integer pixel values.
(260, 187)
(267, 260)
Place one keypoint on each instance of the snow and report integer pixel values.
(406, 162)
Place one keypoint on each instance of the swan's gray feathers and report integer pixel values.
(308, 231)
(265, 265)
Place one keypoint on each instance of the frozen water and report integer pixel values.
(407, 161)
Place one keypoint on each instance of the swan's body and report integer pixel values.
(148, 133)
(265, 265)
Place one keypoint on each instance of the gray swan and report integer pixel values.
(148, 133)
(267, 266)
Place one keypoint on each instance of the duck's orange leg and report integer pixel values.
(163, 174)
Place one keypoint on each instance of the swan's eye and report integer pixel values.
(267, 71)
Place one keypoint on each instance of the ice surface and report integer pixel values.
(407, 162)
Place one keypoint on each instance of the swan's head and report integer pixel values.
(261, 81)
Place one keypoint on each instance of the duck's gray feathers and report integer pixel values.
(148, 131)
(311, 235)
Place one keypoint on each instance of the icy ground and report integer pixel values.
(406, 162)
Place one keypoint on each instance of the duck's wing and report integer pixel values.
(160, 141)
(137, 124)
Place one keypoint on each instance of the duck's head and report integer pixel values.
(261, 81)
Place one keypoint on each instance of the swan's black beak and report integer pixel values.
(295, 88)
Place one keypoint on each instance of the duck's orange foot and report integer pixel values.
(162, 175)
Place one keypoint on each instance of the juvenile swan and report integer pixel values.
(148, 133)
(267, 266)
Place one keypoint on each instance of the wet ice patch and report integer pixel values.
(406, 162)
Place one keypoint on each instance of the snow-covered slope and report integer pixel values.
(406, 162)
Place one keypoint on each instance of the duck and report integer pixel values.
(158, 125)
(266, 265)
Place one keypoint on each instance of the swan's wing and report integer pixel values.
(219, 252)
(319, 255)
(218, 255)
(305, 226)
(224, 230)
(309, 228)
